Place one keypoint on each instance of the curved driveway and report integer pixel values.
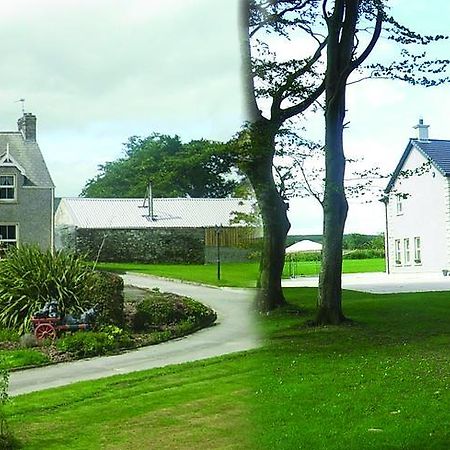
(235, 331)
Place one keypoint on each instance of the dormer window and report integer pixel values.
(7, 187)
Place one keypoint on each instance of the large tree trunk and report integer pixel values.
(335, 206)
(258, 168)
(335, 209)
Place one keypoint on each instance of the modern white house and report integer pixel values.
(417, 201)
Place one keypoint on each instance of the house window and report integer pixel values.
(406, 251)
(417, 252)
(398, 253)
(399, 204)
(7, 187)
(8, 237)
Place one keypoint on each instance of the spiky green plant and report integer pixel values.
(29, 277)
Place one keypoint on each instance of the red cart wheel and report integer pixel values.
(45, 331)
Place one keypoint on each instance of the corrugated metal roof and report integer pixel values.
(28, 155)
(104, 213)
(435, 150)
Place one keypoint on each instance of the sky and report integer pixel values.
(97, 72)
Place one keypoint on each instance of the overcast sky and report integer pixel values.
(96, 72)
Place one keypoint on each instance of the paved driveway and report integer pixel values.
(235, 331)
(381, 283)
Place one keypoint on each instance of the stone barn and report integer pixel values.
(162, 230)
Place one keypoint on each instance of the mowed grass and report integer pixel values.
(312, 268)
(234, 274)
(381, 382)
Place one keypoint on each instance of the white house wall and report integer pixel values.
(425, 214)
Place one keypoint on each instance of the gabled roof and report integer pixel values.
(27, 157)
(434, 150)
(116, 213)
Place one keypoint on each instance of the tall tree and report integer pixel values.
(343, 33)
(347, 21)
(279, 84)
(198, 168)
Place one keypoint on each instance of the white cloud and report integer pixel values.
(96, 72)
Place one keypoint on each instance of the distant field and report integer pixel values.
(235, 274)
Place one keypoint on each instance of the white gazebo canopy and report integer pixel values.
(304, 246)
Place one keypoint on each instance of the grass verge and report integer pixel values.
(382, 382)
(12, 359)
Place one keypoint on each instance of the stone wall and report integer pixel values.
(171, 245)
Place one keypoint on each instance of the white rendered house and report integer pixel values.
(417, 201)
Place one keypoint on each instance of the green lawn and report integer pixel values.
(235, 274)
(381, 383)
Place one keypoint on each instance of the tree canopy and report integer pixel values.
(199, 168)
(330, 42)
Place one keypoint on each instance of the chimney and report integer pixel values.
(27, 126)
(423, 131)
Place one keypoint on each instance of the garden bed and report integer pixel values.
(151, 317)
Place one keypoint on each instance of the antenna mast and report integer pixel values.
(22, 100)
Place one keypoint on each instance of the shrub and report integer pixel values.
(159, 310)
(105, 293)
(84, 344)
(117, 335)
(91, 343)
(30, 277)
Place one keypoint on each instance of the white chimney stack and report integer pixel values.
(423, 131)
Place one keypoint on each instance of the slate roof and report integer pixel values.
(437, 151)
(28, 155)
(118, 213)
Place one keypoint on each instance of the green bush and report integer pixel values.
(93, 343)
(30, 277)
(105, 293)
(160, 310)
